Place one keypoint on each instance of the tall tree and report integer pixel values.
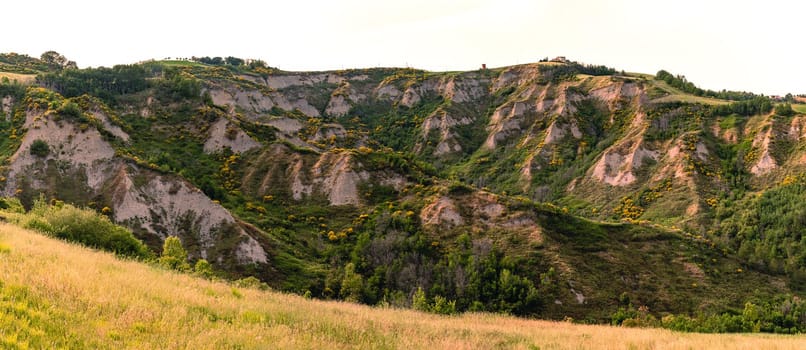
(57, 60)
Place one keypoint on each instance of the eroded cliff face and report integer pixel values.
(224, 134)
(479, 211)
(356, 139)
(84, 150)
(335, 177)
(516, 129)
(82, 166)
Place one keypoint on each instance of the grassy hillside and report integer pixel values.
(58, 295)
(22, 78)
(675, 95)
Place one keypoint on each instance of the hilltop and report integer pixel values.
(58, 295)
(548, 189)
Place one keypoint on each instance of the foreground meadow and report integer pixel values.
(59, 295)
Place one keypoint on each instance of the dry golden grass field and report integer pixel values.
(59, 295)
(20, 78)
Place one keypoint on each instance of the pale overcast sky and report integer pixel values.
(740, 45)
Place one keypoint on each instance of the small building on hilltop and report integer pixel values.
(560, 59)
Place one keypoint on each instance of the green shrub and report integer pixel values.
(174, 256)
(70, 109)
(12, 205)
(202, 268)
(38, 224)
(679, 323)
(352, 284)
(457, 189)
(40, 148)
(443, 306)
(623, 314)
(251, 282)
(784, 109)
(86, 227)
(631, 317)
(419, 301)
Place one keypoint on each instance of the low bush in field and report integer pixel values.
(95, 230)
(83, 226)
(174, 256)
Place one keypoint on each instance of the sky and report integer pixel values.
(736, 45)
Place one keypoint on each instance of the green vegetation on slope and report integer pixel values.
(766, 229)
(56, 295)
(514, 272)
(688, 87)
(83, 226)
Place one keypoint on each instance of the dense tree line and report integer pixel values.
(680, 82)
(230, 61)
(214, 61)
(783, 314)
(754, 106)
(560, 72)
(784, 109)
(110, 83)
(177, 85)
(102, 82)
(595, 69)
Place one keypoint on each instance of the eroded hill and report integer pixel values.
(368, 184)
